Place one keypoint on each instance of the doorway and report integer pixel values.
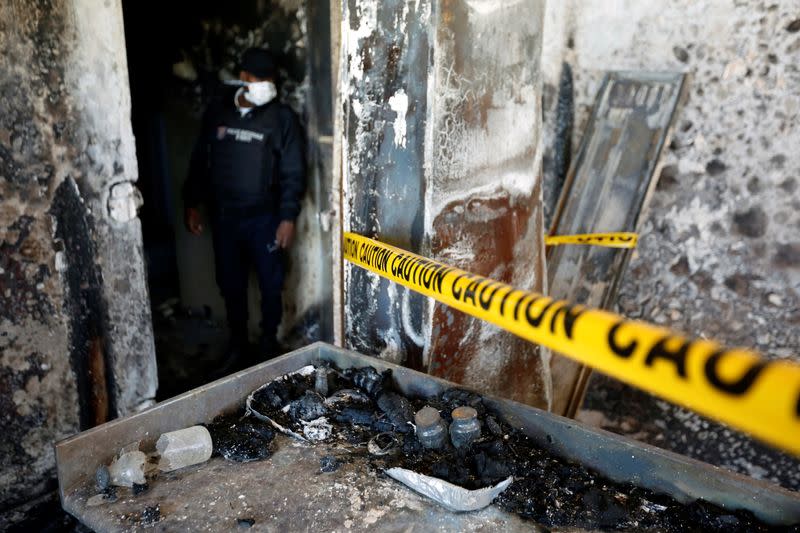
(178, 56)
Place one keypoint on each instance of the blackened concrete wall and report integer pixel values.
(385, 84)
(76, 344)
(441, 156)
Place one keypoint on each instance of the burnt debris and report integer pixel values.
(150, 515)
(241, 439)
(329, 463)
(245, 523)
(368, 379)
(397, 409)
(102, 478)
(377, 421)
(308, 407)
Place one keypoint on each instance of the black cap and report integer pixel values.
(259, 63)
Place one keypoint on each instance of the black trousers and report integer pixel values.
(242, 243)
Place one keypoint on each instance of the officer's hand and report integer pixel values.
(285, 234)
(192, 220)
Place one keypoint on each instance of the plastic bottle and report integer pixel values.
(465, 427)
(184, 447)
(431, 429)
(323, 381)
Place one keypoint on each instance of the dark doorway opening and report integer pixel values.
(178, 55)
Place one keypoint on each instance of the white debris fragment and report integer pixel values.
(318, 429)
(60, 262)
(775, 299)
(446, 494)
(128, 469)
(399, 104)
(651, 507)
(124, 201)
(305, 371)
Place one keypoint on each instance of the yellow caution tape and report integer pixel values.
(737, 387)
(611, 240)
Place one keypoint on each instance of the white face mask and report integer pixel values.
(260, 92)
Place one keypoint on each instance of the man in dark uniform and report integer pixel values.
(248, 168)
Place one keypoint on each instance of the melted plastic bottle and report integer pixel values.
(128, 469)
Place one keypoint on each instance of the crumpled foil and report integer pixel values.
(451, 496)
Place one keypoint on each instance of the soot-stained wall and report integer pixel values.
(484, 186)
(384, 84)
(441, 157)
(719, 252)
(76, 344)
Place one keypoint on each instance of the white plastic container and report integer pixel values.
(185, 447)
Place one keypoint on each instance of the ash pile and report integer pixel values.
(453, 449)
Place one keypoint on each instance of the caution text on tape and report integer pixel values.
(734, 386)
(611, 240)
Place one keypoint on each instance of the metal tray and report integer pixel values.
(287, 490)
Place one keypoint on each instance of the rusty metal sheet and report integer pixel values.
(609, 185)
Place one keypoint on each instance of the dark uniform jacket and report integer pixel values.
(249, 163)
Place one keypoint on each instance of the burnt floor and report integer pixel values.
(189, 347)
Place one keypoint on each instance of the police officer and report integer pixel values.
(248, 168)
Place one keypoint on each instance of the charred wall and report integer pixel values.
(441, 157)
(719, 253)
(484, 188)
(385, 85)
(76, 345)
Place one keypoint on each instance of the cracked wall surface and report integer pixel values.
(719, 253)
(76, 345)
